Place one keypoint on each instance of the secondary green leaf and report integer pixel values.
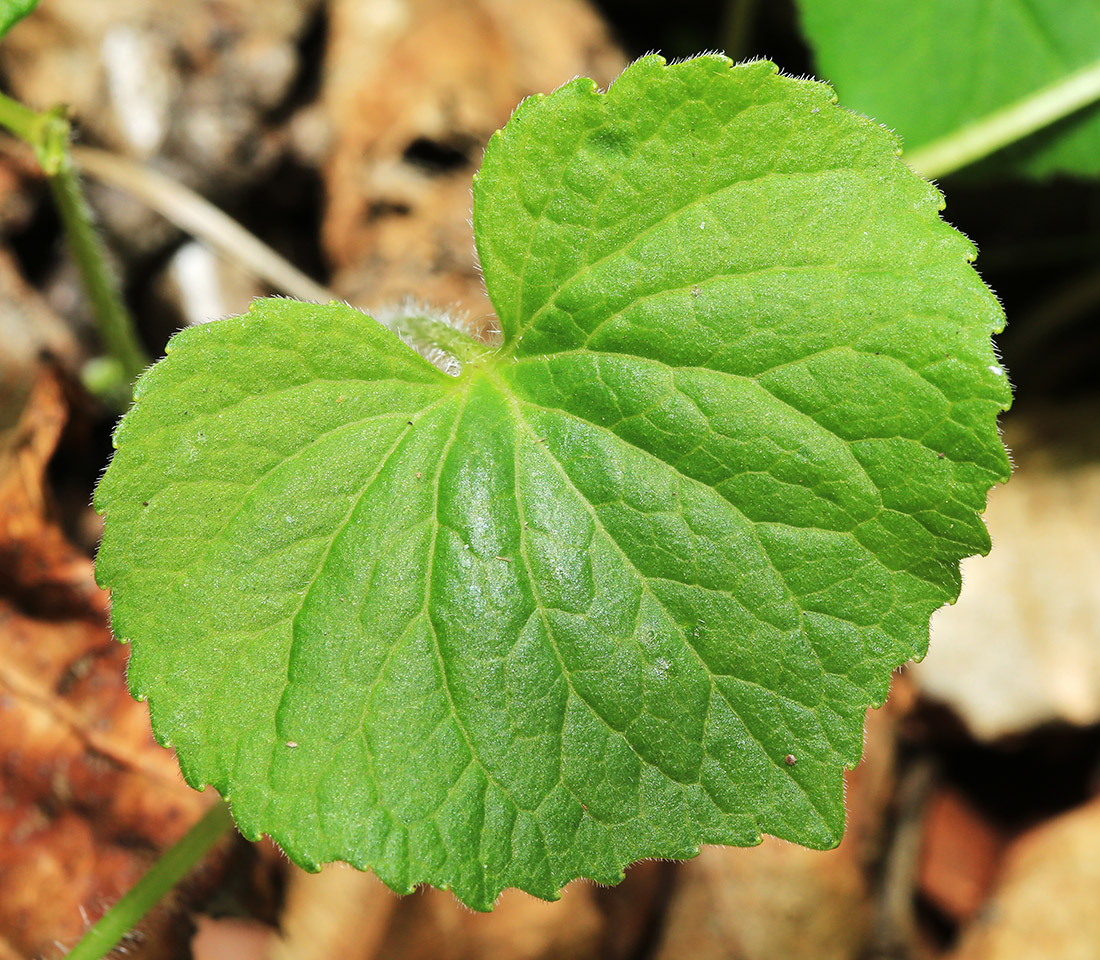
(621, 588)
(12, 11)
(927, 69)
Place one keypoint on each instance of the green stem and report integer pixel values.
(48, 133)
(1007, 125)
(100, 283)
(20, 120)
(172, 866)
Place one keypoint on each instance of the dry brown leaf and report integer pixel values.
(1047, 903)
(1019, 648)
(86, 796)
(37, 564)
(960, 853)
(413, 90)
(28, 328)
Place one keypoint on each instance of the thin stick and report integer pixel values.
(199, 217)
(1007, 125)
(172, 867)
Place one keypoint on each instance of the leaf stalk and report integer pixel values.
(996, 130)
(172, 867)
(429, 331)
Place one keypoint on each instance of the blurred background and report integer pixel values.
(344, 133)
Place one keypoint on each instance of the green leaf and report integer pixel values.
(12, 11)
(625, 586)
(929, 68)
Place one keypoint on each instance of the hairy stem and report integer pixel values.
(20, 120)
(1007, 125)
(48, 134)
(172, 867)
(428, 331)
(100, 283)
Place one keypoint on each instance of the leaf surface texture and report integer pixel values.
(585, 602)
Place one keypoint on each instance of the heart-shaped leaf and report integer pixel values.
(625, 585)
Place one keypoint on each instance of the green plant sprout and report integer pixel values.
(48, 134)
(627, 582)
